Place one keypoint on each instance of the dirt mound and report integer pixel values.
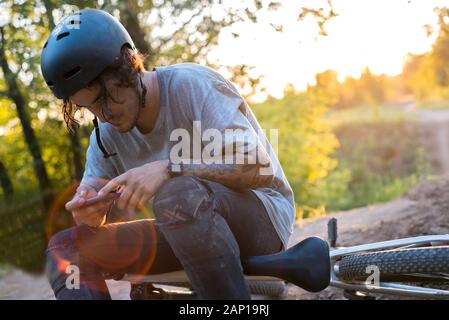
(431, 212)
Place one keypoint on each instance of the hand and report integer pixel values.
(93, 215)
(138, 185)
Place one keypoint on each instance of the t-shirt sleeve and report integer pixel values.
(203, 95)
(216, 108)
(225, 110)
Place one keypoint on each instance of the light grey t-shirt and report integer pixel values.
(191, 92)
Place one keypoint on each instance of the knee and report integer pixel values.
(180, 200)
(63, 248)
(61, 253)
(60, 242)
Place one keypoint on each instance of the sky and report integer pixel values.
(367, 33)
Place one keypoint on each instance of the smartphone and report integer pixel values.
(96, 199)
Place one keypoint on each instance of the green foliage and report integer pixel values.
(368, 114)
(384, 160)
(22, 235)
(427, 75)
(306, 142)
(369, 89)
(338, 160)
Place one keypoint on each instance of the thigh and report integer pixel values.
(247, 218)
(128, 247)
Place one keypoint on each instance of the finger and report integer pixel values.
(91, 220)
(111, 185)
(90, 215)
(125, 195)
(86, 190)
(75, 218)
(82, 192)
(97, 208)
(134, 201)
(144, 200)
(75, 203)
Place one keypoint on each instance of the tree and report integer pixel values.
(14, 93)
(5, 181)
(306, 143)
(327, 83)
(427, 75)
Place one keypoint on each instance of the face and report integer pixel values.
(122, 109)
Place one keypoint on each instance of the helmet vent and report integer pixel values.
(73, 22)
(45, 45)
(71, 73)
(62, 35)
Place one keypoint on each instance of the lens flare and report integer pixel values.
(134, 243)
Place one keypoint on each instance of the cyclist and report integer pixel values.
(207, 215)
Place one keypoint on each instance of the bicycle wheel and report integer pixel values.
(400, 265)
(271, 288)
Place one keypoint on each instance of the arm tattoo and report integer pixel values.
(230, 175)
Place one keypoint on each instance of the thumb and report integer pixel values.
(85, 190)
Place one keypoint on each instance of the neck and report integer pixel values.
(148, 115)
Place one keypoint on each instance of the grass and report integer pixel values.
(435, 105)
(368, 114)
(385, 159)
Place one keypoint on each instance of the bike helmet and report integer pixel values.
(79, 48)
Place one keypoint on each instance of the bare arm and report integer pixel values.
(247, 174)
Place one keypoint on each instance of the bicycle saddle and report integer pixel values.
(306, 264)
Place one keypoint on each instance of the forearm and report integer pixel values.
(231, 175)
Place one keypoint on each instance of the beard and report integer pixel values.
(127, 125)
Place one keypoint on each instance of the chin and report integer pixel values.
(124, 129)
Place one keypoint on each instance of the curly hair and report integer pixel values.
(126, 73)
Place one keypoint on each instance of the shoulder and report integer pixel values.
(192, 76)
(187, 79)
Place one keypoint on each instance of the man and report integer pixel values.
(210, 209)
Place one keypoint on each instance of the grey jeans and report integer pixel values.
(200, 226)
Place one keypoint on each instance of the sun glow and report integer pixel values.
(367, 33)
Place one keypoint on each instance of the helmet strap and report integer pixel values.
(144, 93)
(100, 144)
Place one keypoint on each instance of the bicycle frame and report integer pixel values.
(387, 287)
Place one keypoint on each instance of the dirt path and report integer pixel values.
(423, 211)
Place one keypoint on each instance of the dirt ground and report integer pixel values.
(425, 210)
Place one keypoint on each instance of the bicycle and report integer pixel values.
(410, 267)
(403, 267)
